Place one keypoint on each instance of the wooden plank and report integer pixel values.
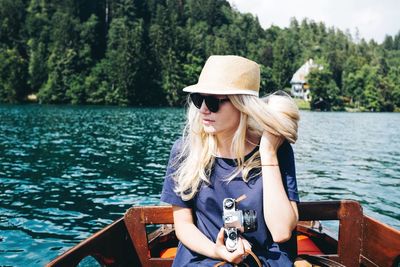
(157, 215)
(110, 247)
(136, 219)
(381, 243)
(366, 262)
(321, 210)
(159, 262)
(350, 233)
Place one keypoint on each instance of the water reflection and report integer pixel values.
(66, 172)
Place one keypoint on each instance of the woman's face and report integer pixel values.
(224, 122)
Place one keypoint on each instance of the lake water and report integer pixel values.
(66, 172)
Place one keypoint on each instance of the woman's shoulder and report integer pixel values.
(177, 148)
(177, 145)
(285, 150)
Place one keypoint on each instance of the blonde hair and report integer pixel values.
(276, 113)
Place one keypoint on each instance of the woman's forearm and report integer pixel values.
(195, 240)
(279, 214)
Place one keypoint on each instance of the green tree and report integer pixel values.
(396, 41)
(394, 80)
(98, 84)
(388, 42)
(284, 52)
(388, 86)
(165, 35)
(38, 26)
(13, 64)
(85, 57)
(124, 56)
(366, 86)
(12, 19)
(323, 89)
(13, 76)
(267, 82)
(63, 62)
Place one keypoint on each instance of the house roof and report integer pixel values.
(300, 75)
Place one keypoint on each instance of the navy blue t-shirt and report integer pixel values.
(207, 207)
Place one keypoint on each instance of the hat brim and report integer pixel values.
(219, 91)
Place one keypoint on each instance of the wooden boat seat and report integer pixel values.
(363, 241)
(349, 214)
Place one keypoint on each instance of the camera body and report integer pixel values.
(236, 221)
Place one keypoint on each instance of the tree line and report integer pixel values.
(143, 52)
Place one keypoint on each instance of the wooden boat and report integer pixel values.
(131, 240)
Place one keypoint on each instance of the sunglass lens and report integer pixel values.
(212, 103)
(197, 99)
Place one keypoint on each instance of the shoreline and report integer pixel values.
(301, 104)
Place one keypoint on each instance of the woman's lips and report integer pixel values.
(207, 121)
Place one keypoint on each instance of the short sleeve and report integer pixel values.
(168, 195)
(288, 170)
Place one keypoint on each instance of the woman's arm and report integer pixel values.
(280, 214)
(192, 238)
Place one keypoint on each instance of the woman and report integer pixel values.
(234, 144)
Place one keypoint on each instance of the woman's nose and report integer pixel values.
(204, 109)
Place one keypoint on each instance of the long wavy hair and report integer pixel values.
(275, 113)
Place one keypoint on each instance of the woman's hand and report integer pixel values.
(236, 256)
(269, 145)
(270, 142)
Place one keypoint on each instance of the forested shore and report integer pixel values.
(143, 52)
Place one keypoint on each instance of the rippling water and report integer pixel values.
(66, 172)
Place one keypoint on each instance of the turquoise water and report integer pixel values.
(66, 172)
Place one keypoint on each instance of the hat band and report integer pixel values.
(196, 88)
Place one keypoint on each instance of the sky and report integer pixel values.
(373, 18)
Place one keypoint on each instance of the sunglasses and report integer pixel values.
(212, 102)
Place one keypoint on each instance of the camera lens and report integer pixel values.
(249, 220)
(229, 203)
(232, 235)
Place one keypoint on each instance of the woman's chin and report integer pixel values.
(209, 129)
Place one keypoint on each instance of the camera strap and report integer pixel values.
(242, 197)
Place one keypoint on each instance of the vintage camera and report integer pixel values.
(236, 221)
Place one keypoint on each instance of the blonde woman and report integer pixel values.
(234, 145)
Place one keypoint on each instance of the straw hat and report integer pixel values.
(228, 75)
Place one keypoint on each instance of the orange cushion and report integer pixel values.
(306, 246)
(168, 253)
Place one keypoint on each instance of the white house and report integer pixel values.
(300, 87)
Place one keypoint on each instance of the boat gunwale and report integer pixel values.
(349, 213)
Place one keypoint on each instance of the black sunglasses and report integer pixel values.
(212, 102)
